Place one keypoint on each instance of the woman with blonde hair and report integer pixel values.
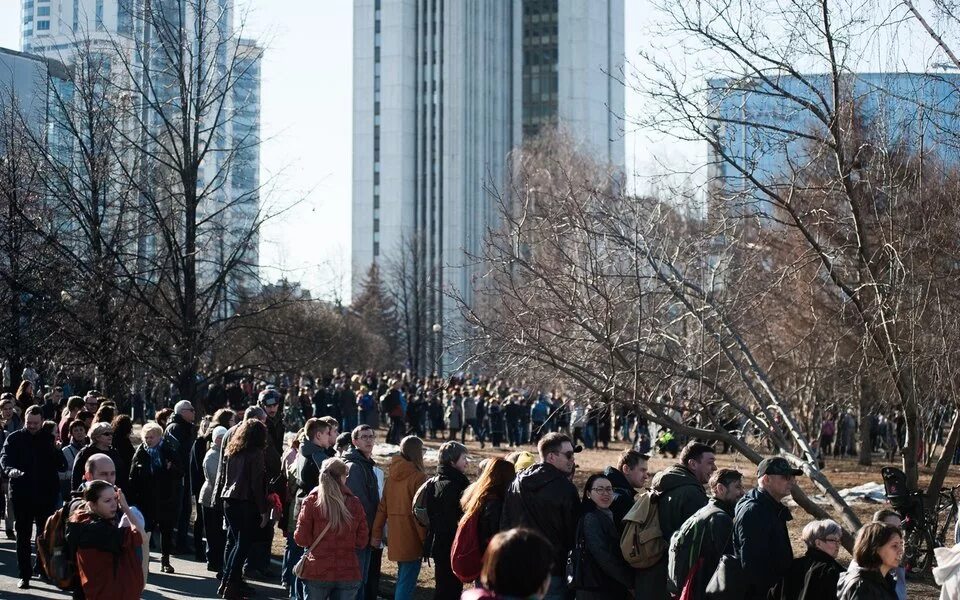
(332, 527)
(396, 510)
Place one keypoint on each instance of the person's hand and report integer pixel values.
(122, 501)
(375, 543)
(264, 519)
(15, 473)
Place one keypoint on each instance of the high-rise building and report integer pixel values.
(443, 91)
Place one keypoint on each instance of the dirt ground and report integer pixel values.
(843, 473)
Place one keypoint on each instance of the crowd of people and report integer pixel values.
(220, 485)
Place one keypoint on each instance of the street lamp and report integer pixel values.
(438, 365)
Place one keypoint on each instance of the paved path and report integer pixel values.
(191, 580)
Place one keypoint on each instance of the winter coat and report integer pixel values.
(40, 460)
(443, 509)
(406, 536)
(469, 408)
(716, 521)
(604, 573)
(106, 557)
(864, 584)
(335, 557)
(125, 450)
(454, 415)
(679, 496)
(761, 541)
(308, 467)
(275, 431)
(543, 498)
(624, 495)
(489, 523)
(245, 478)
(156, 491)
(823, 572)
(186, 434)
(210, 463)
(362, 482)
(80, 464)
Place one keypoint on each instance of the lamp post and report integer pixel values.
(437, 348)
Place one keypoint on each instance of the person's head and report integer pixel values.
(343, 443)
(216, 437)
(255, 412)
(494, 479)
(823, 536)
(333, 477)
(105, 413)
(726, 485)
(318, 432)
(6, 407)
(91, 402)
(101, 435)
(74, 405)
(633, 465)
(56, 394)
(557, 449)
(269, 400)
(163, 416)
(33, 419)
(334, 426)
(225, 418)
(251, 434)
(411, 448)
(364, 438)
(776, 477)
(879, 547)
(100, 467)
(101, 498)
(517, 563)
(152, 433)
(25, 389)
(86, 417)
(184, 410)
(700, 459)
(122, 426)
(453, 454)
(599, 490)
(888, 516)
(78, 431)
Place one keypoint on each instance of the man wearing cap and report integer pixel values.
(269, 401)
(760, 536)
(182, 429)
(544, 499)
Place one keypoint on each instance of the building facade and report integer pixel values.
(443, 91)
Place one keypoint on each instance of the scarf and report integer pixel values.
(156, 459)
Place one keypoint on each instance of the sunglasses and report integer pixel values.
(273, 403)
(569, 454)
(107, 433)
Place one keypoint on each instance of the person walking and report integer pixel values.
(600, 571)
(362, 481)
(878, 550)
(405, 546)
(544, 499)
(32, 461)
(332, 526)
(245, 508)
(815, 574)
(760, 538)
(106, 555)
(443, 510)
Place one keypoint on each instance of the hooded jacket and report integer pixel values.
(443, 508)
(624, 495)
(761, 541)
(543, 498)
(406, 536)
(308, 467)
(716, 521)
(362, 481)
(680, 494)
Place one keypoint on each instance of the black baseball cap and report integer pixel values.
(776, 465)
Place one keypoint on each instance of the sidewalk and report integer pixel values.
(191, 580)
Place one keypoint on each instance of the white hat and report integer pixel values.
(181, 406)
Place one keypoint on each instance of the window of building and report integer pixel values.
(43, 11)
(43, 25)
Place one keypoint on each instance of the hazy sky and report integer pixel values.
(306, 126)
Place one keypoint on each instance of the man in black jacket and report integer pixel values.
(32, 462)
(543, 498)
(629, 476)
(760, 537)
(182, 429)
(362, 481)
(443, 509)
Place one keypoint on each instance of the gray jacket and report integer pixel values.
(362, 481)
(211, 461)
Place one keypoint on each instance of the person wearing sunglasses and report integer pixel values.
(815, 574)
(101, 442)
(597, 566)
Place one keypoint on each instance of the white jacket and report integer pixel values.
(947, 572)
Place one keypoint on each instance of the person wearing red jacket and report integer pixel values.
(331, 510)
(107, 560)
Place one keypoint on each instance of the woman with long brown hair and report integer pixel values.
(24, 395)
(245, 505)
(485, 496)
(332, 527)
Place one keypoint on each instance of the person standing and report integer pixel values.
(544, 499)
(331, 527)
(212, 513)
(101, 442)
(395, 510)
(629, 476)
(182, 429)
(32, 462)
(878, 550)
(156, 479)
(815, 574)
(77, 440)
(485, 496)
(443, 509)
(362, 481)
(760, 538)
(601, 571)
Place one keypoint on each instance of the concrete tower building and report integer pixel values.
(443, 91)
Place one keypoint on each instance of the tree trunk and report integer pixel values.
(865, 457)
(945, 460)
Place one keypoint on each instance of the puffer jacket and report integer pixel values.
(543, 498)
(396, 510)
(864, 584)
(761, 541)
(210, 463)
(335, 557)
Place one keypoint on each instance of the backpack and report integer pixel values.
(466, 558)
(685, 547)
(641, 542)
(420, 498)
(53, 551)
